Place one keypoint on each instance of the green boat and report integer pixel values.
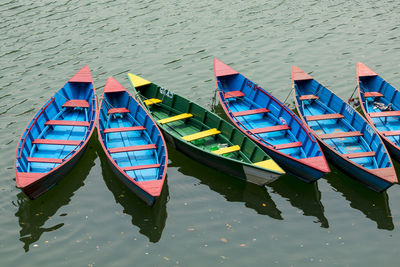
(204, 136)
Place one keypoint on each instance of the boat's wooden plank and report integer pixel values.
(141, 167)
(152, 101)
(360, 154)
(76, 103)
(308, 97)
(250, 112)
(32, 175)
(131, 148)
(288, 145)
(340, 135)
(372, 94)
(117, 110)
(385, 114)
(44, 160)
(68, 123)
(56, 142)
(200, 135)
(270, 129)
(233, 94)
(391, 133)
(175, 118)
(124, 129)
(226, 150)
(324, 117)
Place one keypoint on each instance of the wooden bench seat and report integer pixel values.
(152, 101)
(56, 142)
(391, 133)
(385, 114)
(372, 94)
(250, 112)
(117, 110)
(199, 135)
(67, 123)
(270, 129)
(131, 148)
(124, 129)
(140, 167)
(76, 103)
(233, 94)
(340, 135)
(324, 117)
(44, 160)
(288, 145)
(175, 118)
(360, 155)
(226, 150)
(308, 97)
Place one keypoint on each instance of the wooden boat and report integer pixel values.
(348, 140)
(270, 124)
(132, 142)
(380, 102)
(204, 136)
(57, 135)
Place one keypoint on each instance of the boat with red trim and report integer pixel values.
(346, 137)
(132, 142)
(380, 102)
(269, 123)
(57, 135)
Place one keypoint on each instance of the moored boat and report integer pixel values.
(132, 142)
(269, 123)
(380, 102)
(347, 138)
(57, 135)
(204, 136)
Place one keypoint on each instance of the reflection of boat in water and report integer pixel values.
(150, 220)
(374, 206)
(233, 190)
(33, 214)
(306, 197)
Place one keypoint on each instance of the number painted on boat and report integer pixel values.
(349, 110)
(167, 93)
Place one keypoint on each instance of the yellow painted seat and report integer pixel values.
(226, 150)
(152, 101)
(269, 164)
(175, 118)
(199, 135)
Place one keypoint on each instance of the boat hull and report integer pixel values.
(143, 195)
(366, 178)
(41, 186)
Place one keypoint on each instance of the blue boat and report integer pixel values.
(272, 125)
(57, 135)
(132, 142)
(346, 137)
(380, 102)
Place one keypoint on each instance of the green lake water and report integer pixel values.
(204, 218)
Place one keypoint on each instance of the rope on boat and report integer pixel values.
(352, 102)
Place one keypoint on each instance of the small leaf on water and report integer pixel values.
(165, 258)
(190, 229)
(242, 245)
(264, 205)
(223, 240)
